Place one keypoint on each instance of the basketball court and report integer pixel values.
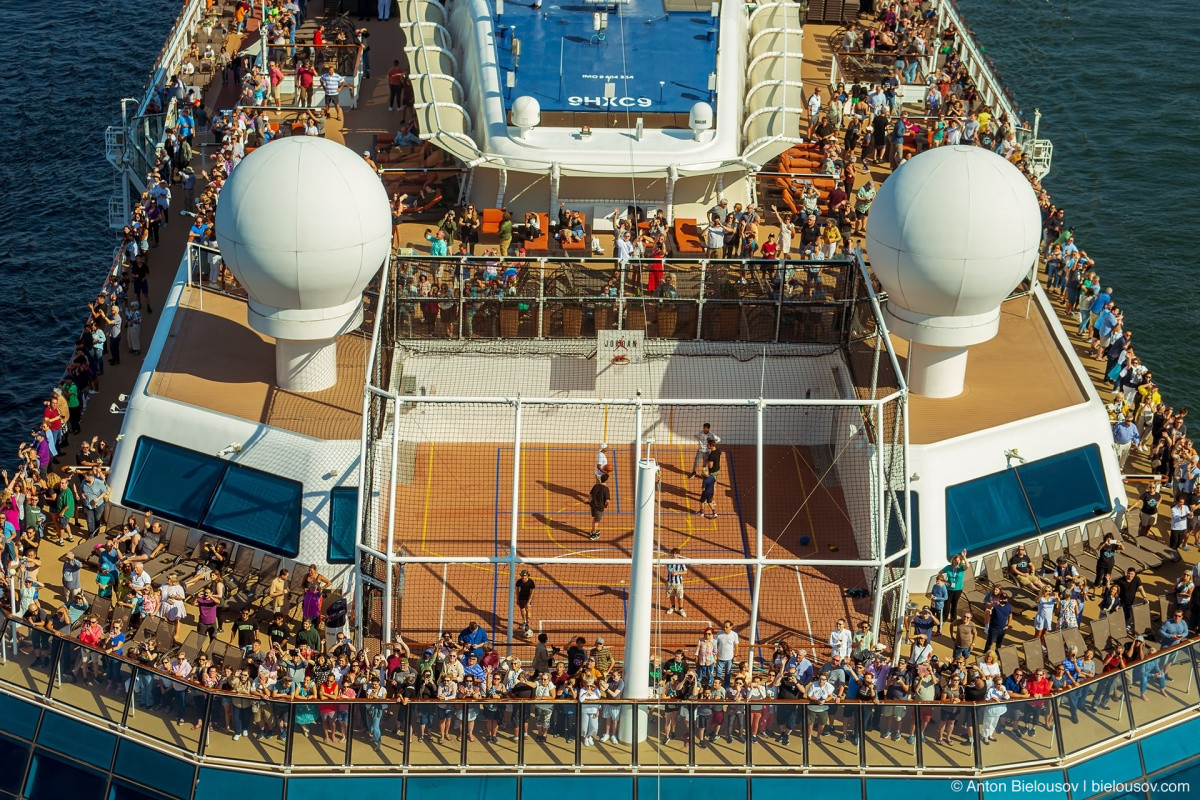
(459, 504)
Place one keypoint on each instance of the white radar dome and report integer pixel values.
(304, 224)
(951, 233)
(526, 112)
(700, 118)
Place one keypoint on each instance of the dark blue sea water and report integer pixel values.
(1114, 82)
(69, 63)
(1118, 92)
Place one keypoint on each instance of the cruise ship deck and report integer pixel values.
(64, 738)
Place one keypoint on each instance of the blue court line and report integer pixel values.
(569, 587)
(737, 508)
(588, 513)
(496, 547)
(625, 602)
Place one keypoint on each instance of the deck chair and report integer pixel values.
(1165, 604)
(1054, 549)
(1009, 658)
(121, 614)
(968, 586)
(1075, 545)
(101, 607)
(1073, 638)
(176, 551)
(1095, 537)
(193, 645)
(1033, 548)
(149, 629)
(1056, 647)
(1141, 619)
(268, 568)
(993, 570)
(1149, 555)
(240, 565)
(1033, 655)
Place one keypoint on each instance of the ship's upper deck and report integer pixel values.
(636, 55)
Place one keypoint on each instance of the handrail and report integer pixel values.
(1060, 709)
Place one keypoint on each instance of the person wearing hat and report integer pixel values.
(524, 590)
(603, 467)
(603, 656)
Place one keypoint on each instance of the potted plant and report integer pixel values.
(635, 315)
(668, 318)
(572, 315)
(605, 316)
(727, 316)
(510, 319)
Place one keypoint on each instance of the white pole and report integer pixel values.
(388, 585)
(759, 517)
(516, 521)
(640, 609)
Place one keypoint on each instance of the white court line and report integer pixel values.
(804, 604)
(442, 612)
(616, 623)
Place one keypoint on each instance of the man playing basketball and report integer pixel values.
(525, 586)
(708, 487)
(702, 439)
(598, 501)
(602, 465)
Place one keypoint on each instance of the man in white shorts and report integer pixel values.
(702, 448)
(675, 573)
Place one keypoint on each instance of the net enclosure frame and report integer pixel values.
(862, 418)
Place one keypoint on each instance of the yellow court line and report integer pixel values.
(428, 500)
(687, 502)
(804, 493)
(604, 435)
(524, 484)
(670, 425)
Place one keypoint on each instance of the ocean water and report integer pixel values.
(74, 60)
(1112, 82)
(1117, 96)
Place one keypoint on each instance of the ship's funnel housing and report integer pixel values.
(951, 233)
(304, 224)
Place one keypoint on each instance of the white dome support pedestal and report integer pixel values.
(951, 233)
(305, 366)
(304, 264)
(936, 371)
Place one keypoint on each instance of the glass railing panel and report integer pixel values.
(1016, 731)
(1088, 715)
(949, 736)
(887, 728)
(723, 741)
(481, 720)
(607, 748)
(433, 735)
(320, 733)
(1162, 685)
(380, 735)
(782, 733)
(666, 741)
(232, 729)
(170, 715)
(104, 700)
(561, 728)
(26, 657)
